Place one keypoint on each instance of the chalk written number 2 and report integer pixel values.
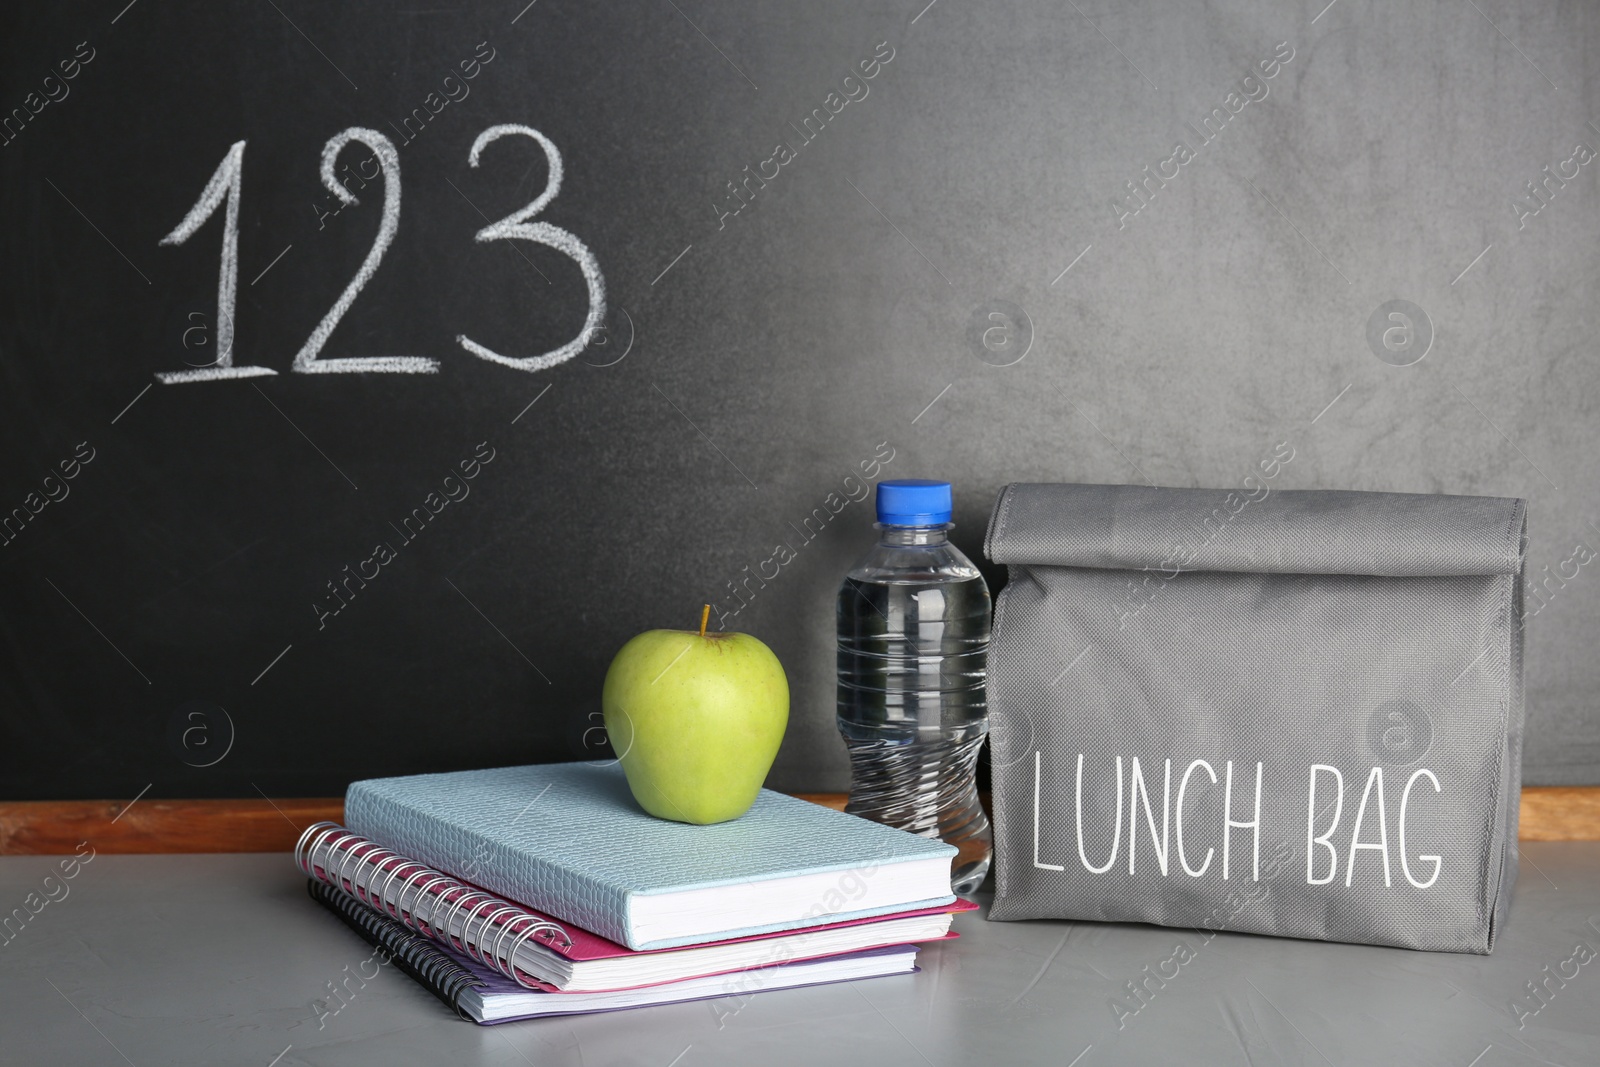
(225, 185)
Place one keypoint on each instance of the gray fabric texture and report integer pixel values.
(1362, 650)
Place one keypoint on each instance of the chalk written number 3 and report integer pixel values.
(224, 186)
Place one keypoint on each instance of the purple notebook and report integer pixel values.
(482, 994)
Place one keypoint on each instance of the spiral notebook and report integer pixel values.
(537, 952)
(486, 997)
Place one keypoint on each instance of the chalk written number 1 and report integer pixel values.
(224, 186)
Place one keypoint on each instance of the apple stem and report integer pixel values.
(705, 617)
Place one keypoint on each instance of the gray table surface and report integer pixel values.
(219, 959)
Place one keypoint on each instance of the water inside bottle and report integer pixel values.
(913, 709)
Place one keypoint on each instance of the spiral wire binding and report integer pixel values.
(360, 861)
(431, 966)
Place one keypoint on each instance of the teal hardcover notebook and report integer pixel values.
(569, 839)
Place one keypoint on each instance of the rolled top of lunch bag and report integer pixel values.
(1278, 531)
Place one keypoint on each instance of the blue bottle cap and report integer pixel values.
(914, 502)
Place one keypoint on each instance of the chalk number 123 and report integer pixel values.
(224, 188)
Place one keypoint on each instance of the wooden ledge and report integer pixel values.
(57, 827)
(1560, 813)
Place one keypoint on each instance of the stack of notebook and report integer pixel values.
(546, 890)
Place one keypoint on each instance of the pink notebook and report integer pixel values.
(538, 952)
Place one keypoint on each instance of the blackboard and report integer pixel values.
(345, 433)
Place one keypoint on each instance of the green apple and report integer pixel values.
(696, 719)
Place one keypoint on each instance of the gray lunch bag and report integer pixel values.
(1276, 711)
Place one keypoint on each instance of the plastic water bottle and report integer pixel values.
(913, 619)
